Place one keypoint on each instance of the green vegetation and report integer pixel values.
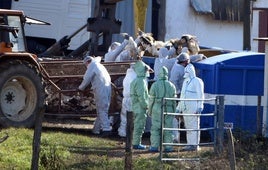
(72, 150)
(60, 150)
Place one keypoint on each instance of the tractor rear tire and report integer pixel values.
(22, 94)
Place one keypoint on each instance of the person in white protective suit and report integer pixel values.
(122, 52)
(176, 77)
(177, 71)
(163, 60)
(130, 51)
(126, 102)
(114, 50)
(100, 80)
(192, 88)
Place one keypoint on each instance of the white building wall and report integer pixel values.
(255, 30)
(181, 19)
(261, 4)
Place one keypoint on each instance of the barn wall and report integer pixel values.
(210, 32)
(65, 17)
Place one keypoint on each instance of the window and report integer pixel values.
(18, 43)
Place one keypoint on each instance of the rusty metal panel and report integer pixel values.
(62, 80)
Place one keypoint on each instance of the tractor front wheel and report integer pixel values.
(22, 94)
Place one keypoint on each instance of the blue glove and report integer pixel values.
(199, 110)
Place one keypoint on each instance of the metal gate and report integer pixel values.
(216, 128)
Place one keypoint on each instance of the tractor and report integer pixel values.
(32, 82)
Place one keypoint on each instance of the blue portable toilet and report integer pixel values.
(239, 77)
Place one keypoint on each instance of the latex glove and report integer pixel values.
(199, 110)
(140, 32)
(177, 110)
(125, 35)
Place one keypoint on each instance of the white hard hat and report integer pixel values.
(183, 57)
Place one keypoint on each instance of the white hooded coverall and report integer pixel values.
(126, 103)
(114, 50)
(163, 60)
(98, 76)
(176, 76)
(192, 88)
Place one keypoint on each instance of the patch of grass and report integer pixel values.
(61, 150)
(15, 152)
(251, 150)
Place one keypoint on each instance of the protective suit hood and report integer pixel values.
(87, 58)
(189, 71)
(163, 53)
(92, 59)
(113, 46)
(140, 68)
(163, 74)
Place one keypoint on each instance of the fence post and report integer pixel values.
(128, 153)
(231, 149)
(259, 125)
(37, 138)
(220, 124)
